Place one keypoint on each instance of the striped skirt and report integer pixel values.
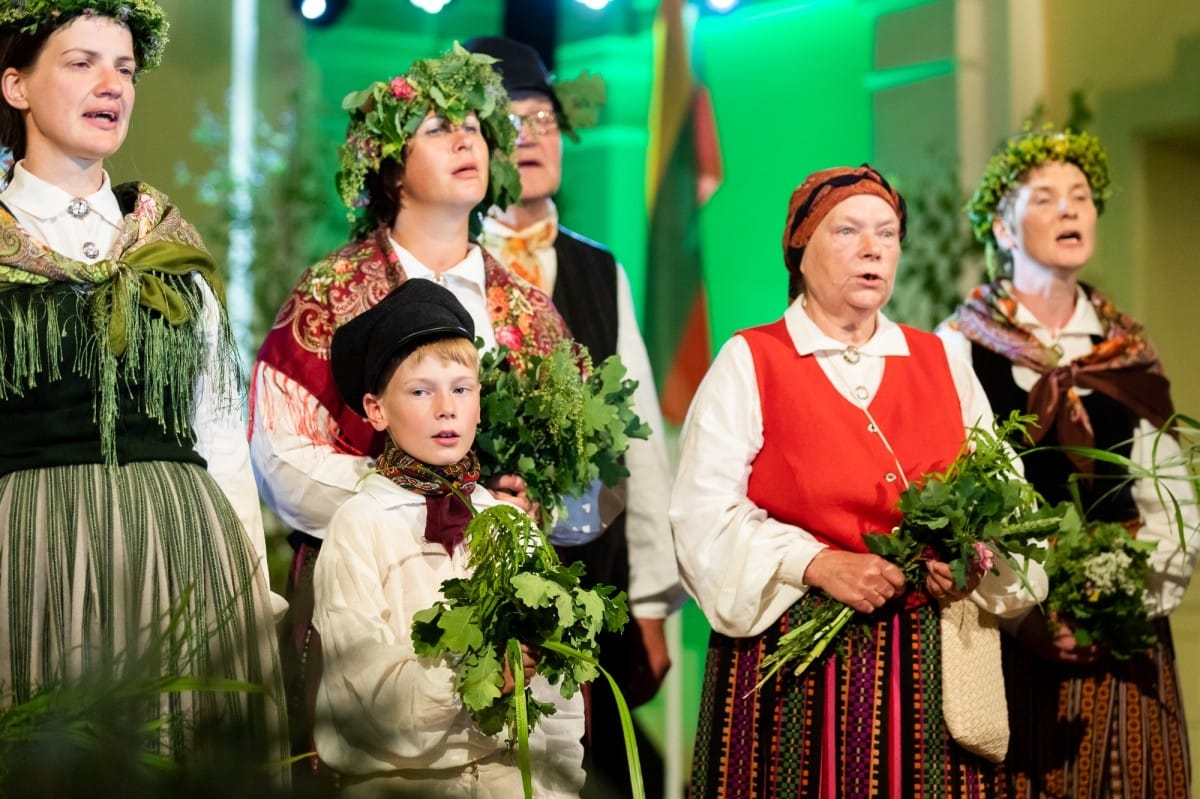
(113, 578)
(1111, 730)
(862, 721)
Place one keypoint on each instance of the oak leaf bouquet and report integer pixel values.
(977, 510)
(555, 421)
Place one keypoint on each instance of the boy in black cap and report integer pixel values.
(591, 291)
(388, 721)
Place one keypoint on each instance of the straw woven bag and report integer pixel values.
(973, 701)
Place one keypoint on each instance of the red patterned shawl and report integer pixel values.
(346, 283)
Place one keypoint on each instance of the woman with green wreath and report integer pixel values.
(425, 154)
(1084, 724)
(129, 521)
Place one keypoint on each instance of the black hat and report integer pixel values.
(414, 312)
(521, 68)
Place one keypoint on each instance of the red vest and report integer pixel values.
(821, 467)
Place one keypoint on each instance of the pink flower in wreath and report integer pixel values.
(985, 559)
(510, 337)
(402, 89)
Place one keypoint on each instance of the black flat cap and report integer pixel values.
(521, 68)
(414, 312)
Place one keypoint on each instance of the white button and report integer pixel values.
(871, 428)
(890, 477)
(861, 392)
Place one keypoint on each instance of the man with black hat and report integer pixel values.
(591, 291)
(388, 721)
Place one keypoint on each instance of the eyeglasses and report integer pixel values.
(539, 122)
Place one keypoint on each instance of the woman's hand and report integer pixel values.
(1052, 637)
(510, 488)
(939, 582)
(529, 659)
(862, 581)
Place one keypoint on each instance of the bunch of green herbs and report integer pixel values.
(520, 592)
(978, 509)
(1098, 574)
(555, 421)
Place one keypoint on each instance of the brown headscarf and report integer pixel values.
(816, 197)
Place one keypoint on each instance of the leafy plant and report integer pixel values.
(1097, 573)
(940, 258)
(119, 728)
(518, 593)
(978, 509)
(555, 421)
(285, 199)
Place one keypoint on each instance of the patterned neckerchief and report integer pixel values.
(521, 250)
(1122, 365)
(446, 515)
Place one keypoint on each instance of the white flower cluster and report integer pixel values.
(1109, 573)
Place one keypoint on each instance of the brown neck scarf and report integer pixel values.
(1122, 366)
(446, 515)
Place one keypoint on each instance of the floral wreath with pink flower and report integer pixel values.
(384, 115)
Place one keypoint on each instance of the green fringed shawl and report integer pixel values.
(143, 309)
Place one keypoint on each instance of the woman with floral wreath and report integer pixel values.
(131, 530)
(425, 154)
(1084, 724)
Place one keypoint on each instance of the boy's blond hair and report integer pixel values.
(454, 349)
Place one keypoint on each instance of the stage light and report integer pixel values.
(595, 5)
(721, 6)
(430, 6)
(320, 12)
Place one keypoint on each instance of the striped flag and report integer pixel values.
(683, 168)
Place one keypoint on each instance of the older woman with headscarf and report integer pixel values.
(799, 441)
(1042, 341)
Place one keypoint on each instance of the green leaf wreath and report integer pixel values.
(555, 421)
(978, 509)
(519, 593)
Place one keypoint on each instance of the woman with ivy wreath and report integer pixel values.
(131, 531)
(800, 440)
(1041, 341)
(425, 154)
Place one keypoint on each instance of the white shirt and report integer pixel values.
(1171, 562)
(654, 588)
(384, 712)
(744, 568)
(41, 209)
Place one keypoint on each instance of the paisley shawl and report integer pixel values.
(143, 312)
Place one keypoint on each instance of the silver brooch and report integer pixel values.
(90, 250)
(851, 355)
(78, 208)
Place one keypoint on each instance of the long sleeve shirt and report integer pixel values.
(384, 714)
